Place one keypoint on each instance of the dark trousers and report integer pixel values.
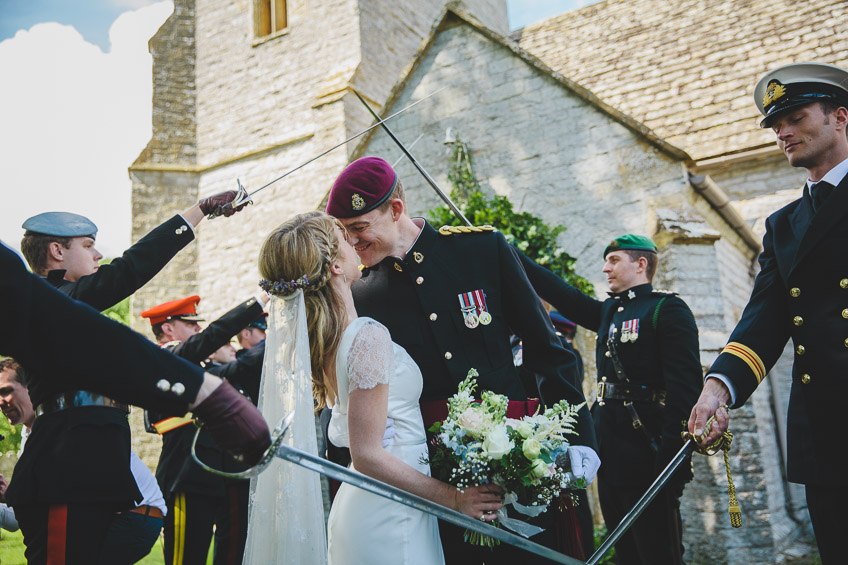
(130, 538)
(64, 533)
(830, 521)
(458, 552)
(231, 527)
(190, 522)
(655, 537)
(188, 527)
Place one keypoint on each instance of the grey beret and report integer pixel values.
(61, 224)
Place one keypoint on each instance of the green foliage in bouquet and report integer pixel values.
(530, 234)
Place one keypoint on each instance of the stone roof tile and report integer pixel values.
(687, 68)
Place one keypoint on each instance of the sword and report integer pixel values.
(418, 166)
(243, 197)
(640, 506)
(324, 467)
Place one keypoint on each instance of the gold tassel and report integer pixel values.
(722, 443)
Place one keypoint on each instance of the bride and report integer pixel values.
(365, 377)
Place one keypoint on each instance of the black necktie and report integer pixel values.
(820, 192)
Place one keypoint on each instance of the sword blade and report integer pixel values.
(395, 494)
(643, 502)
(415, 162)
(346, 141)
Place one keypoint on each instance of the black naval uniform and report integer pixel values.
(80, 456)
(662, 363)
(197, 499)
(417, 299)
(801, 293)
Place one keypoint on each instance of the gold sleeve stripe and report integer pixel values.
(169, 424)
(747, 354)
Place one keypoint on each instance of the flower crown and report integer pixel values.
(283, 288)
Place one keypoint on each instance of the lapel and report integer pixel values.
(821, 223)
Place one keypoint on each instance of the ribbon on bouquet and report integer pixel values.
(518, 526)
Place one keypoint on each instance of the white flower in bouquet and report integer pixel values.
(531, 448)
(474, 422)
(497, 443)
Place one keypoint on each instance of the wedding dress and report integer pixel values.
(365, 528)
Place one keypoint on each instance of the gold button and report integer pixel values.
(846, 343)
(795, 292)
(621, 308)
(419, 280)
(448, 355)
(433, 317)
(797, 320)
(800, 350)
(845, 313)
(607, 354)
(843, 283)
(805, 378)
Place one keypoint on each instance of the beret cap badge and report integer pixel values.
(356, 202)
(774, 91)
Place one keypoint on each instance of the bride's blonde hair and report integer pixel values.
(299, 253)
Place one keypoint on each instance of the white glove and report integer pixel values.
(389, 434)
(584, 462)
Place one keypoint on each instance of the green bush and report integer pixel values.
(530, 234)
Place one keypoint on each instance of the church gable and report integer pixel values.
(535, 137)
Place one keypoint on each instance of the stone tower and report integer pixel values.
(247, 89)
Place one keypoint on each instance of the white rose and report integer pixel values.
(497, 443)
(531, 448)
(524, 428)
(472, 421)
(540, 468)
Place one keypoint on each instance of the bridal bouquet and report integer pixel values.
(477, 444)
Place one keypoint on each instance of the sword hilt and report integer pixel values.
(242, 198)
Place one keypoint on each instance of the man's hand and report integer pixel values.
(713, 401)
(584, 462)
(219, 203)
(3, 486)
(234, 423)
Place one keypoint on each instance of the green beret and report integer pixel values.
(630, 241)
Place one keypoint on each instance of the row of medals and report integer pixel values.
(472, 320)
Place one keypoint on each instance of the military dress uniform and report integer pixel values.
(801, 293)
(196, 499)
(78, 455)
(425, 301)
(655, 338)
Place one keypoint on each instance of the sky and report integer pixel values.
(76, 106)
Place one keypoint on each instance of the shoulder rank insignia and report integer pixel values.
(451, 230)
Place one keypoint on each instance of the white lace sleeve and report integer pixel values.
(369, 360)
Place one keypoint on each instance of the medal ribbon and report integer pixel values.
(480, 297)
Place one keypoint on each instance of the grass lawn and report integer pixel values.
(12, 551)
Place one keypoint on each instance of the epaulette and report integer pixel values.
(457, 230)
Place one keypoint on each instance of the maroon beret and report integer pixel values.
(363, 185)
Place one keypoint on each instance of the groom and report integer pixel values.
(451, 299)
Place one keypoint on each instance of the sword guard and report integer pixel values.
(276, 440)
(242, 198)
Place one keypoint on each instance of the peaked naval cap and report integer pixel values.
(791, 86)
